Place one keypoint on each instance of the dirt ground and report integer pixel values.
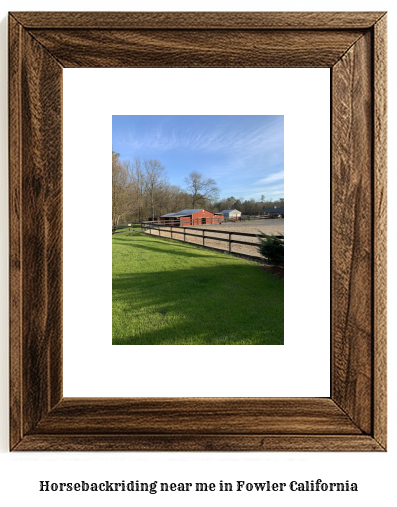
(272, 227)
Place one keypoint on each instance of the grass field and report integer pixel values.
(171, 293)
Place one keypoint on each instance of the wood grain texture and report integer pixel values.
(380, 230)
(196, 48)
(200, 20)
(202, 416)
(353, 44)
(351, 212)
(36, 184)
(199, 443)
(15, 228)
(41, 87)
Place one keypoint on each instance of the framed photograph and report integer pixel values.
(175, 177)
(353, 46)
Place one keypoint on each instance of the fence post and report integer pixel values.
(230, 242)
(184, 234)
(203, 237)
(171, 231)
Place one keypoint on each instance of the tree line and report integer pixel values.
(141, 191)
(248, 206)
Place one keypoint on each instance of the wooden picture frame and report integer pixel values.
(353, 46)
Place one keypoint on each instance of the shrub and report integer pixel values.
(272, 248)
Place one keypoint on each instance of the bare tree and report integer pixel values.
(177, 199)
(140, 185)
(162, 201)
(201, 188)
(155, 181)
(123, 188)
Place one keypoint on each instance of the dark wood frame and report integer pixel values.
(353, 46)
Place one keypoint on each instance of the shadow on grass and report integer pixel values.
(206, 302)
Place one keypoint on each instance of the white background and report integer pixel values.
(91, 96)
(20, 473)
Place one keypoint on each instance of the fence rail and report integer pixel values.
(124, 227)
(156, 226)
(196, 221)
(210, 220)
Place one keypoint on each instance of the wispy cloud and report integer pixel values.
(271, 178)
(244, 154)
(251, 141)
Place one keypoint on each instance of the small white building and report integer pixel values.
(230, 213)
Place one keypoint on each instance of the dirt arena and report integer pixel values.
(272, 227)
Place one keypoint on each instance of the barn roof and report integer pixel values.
(228, 210)
(184, 212)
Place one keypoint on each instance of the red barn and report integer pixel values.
(188, 217)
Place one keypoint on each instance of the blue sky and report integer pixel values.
(243, 154)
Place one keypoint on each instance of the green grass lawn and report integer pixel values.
(171, 293)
